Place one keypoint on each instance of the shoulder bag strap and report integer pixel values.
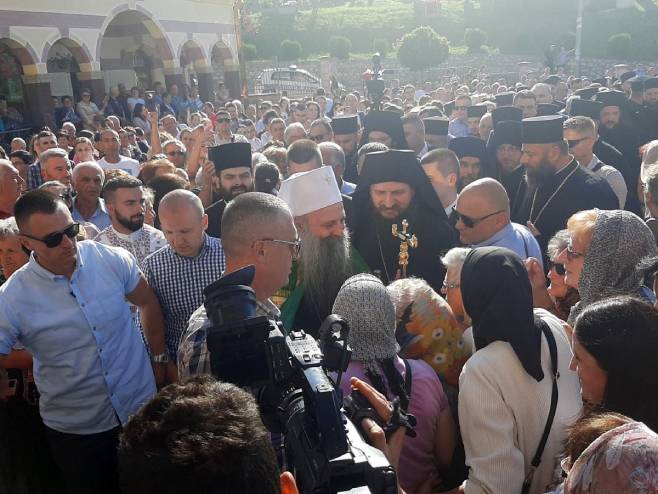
(536, 460)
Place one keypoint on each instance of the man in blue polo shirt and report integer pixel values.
(67, 307)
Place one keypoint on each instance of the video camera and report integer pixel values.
(288, 374)
(376, 85)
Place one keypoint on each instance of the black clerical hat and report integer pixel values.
(394, 165)
(504, 99)
(543, 130)
(388, 122)
(231, 155)
(627, 75)
(651, 83)
(506, 113)
(552, 79)
(638, 82)
(612, 98)
(476, 111)
(436, 126)
(602, 80)
(547, 109)
(587, 92)
(348, 124)
(506, 132)
(586, 108)
(449, 107)
(468, 146)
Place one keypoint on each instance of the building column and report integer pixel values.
(174, 76)
(95, 82)
(206, 85)
(39, 101)
(232, 79)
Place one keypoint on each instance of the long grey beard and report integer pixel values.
(325, 265)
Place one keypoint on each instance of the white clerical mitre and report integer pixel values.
(310, 191)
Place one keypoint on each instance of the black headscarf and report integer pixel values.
(498, 297)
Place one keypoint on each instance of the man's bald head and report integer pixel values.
(488, 193)
(183, 222)
(483, 206)
(177, 200)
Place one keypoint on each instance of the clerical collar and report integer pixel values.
(450, 208)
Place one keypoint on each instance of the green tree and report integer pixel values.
(619, 45)
(382, 46)
(249, 52)
(340, 47)
(474, 39)
(422, 48)
(290, 50)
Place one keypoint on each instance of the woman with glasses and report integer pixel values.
(602, 256)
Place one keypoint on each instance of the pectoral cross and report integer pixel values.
(406, 240)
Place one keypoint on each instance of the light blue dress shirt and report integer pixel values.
(100, 218)
(516, 238)
(90, 364)
(457, 128)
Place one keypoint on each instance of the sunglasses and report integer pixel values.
(559, 268)
(471, 222)
(574, 142)
(54, 239)
(223, 120)
(175, 153)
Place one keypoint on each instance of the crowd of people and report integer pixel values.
(492, 246)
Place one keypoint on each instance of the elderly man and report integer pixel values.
(347, 135)
(472, 154)
(124, 198)
(543, 94)
(294, 132)
(556, 186)
(18, 144)
(55, 165)
(43, 141)
(414, 133)
(320, 131)
(436, 132)
(326, 259)
(233, 176)
(580, 133)
(11, 185)
(393, 188)
(88, 179)
(110, 144)
(483, 220)
(333, 156)
(191, 255)
(12, 253)
(67, 308)
(258, 231)
(175, 151)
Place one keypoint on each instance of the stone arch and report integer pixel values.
(77, 49)
(24, 53)
(192, 53)
(221, 55)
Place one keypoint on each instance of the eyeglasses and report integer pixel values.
(54, 239)
(223, 120)
(574, 142)
(175, 153)
(295, 244)
(471, 222)
(573, 254)
(559, 268)
(450, 286)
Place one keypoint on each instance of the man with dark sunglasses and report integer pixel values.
(483, 220)
(67, 308)
(223, 131)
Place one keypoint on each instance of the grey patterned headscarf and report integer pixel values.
(620, 240)
(366, 306)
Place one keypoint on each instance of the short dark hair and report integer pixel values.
(266, 177)
(22, 155)
(164, 184)
(120, 182)
(35, 202)
(304, 150)
(371, 147)
(621, 333)
(446, 161)
(199, 436)
(525, 94)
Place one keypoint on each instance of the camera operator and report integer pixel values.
(207, 436)
(258, 230)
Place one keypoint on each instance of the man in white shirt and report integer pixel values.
(124, 197)
(580, 133)
(110, 145)
(442, 168)
(414, 133)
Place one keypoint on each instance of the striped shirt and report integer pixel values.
(178, 281)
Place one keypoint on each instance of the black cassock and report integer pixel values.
(582, 190)
(351, 173)
(215, 212)
(375, 242)
(512, 183)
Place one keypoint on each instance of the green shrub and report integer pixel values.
(474, 39)
(340, 47)
(619, 45)
(249, 52)
(290, 50)
(422, 48)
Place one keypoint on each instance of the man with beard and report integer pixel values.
(87, 205)
(473, 116)
(505, 142)
(325, 260)
(392, 188)
(472, 154)
(124, 198)
(233, 176)
(384, 127)
(556, 186)
(614, 131)
(347, 135)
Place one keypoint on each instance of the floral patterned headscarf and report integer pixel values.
(623, 460)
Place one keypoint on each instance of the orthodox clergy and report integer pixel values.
(556, 186)
(384, 127)
(325, 259)
(436, 132)
(472, 154)
(473, 116)
(233, 176)
(347, 135)
(393, 191)
(505, 144)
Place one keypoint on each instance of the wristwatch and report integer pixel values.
(161, 358)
